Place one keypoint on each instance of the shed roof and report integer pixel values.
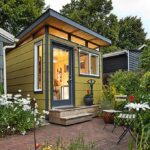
(9, 38)
(55, 19)
(117, 53)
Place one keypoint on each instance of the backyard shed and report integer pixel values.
(127, 60)
(53, 60)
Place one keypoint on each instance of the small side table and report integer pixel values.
(108, 116)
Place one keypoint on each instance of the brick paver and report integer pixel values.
(91, 130)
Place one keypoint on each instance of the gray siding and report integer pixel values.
(113, 64)
(134, 60)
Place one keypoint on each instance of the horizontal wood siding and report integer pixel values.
(134, 60)
(20, 71)
(113, 64)
(80, 81)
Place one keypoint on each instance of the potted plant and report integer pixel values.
(107, 103)
(107, 116)
(88, 98)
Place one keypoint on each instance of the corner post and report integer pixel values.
(46, 68)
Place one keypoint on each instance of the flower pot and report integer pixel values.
(88, 100)
(108, 117)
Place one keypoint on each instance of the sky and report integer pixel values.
(122, 8)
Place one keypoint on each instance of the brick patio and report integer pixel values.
(92, 131)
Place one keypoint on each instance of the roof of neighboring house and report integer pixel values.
(55, 19)
(4, 34)
(115, 53)
(112, 54)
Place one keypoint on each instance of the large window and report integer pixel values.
(38, 66)
(89, 63)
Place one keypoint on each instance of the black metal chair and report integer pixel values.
(126, 120)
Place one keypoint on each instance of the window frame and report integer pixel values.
(89, 64)
(36, 89)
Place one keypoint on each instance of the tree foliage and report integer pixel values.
(15, 15)
(131, 33)
(95, 15)
(126, 33)
(145, 57)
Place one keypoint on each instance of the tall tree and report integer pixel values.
(127, 33)
(131, 34)
(15, 15)
(94, 14)
(145, 57)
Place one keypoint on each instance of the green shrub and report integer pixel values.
(145, 81)
(125, 82)
(16, 115)
(1, 89)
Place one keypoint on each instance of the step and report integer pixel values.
(69, 120)
(58, 112)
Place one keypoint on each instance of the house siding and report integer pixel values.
(20, 71)
(134, 60)
(113, 64)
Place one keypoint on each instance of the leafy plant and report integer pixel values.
(75, 144)
(107, 101)
(16, 115)
(145, 81)
(127, 83)
(1, 89)
(145, 57)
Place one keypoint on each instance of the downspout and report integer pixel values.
(4, 63)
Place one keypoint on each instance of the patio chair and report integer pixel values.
(126, 120)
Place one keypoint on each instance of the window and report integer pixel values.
(89, 63)
(38, 66)
(94, 64)
(77, 40)
(58, 33)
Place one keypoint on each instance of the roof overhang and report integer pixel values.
(9, 38)
(55, 19)
(115, 53)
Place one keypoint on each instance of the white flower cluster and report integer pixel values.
(137, 106)
(9, 101)
(16, 103)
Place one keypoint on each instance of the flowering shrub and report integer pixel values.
(141, 124)
(131, 98)
(16, 115)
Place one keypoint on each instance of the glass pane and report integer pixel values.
(39, 54)
(58, 33)
(84, 63)
(60, 74)
(94, 65)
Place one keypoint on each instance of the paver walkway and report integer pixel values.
(92, 131)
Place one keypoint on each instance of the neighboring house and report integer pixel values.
(5, 39)
(53, 60)
(128, 60)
